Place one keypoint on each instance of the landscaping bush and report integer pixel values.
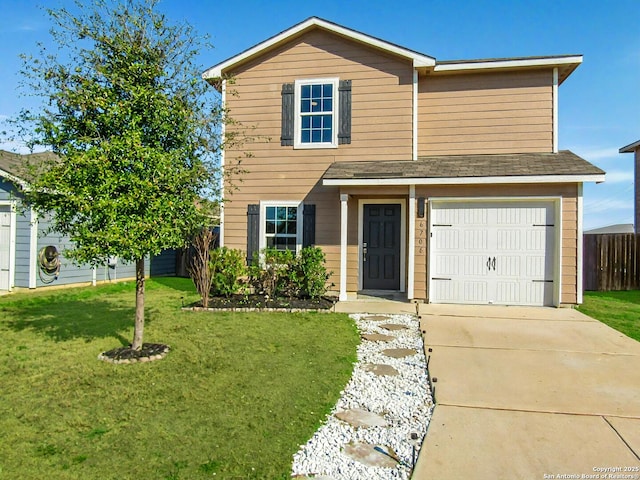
(271, 274)
(311, 276)
(199, 262)
(280, 273)
(227, 267)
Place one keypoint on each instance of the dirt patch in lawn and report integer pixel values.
(148, 353)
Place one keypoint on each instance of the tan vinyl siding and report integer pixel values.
(381, 129)
(506, 112)
(569, 245)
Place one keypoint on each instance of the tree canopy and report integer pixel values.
(135, 129)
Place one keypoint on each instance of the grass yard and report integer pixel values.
(234, 398)
(619, 310)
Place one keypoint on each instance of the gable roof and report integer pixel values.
(564, 166)
(426, 63)
(14, 166)
(418, 59)
(632, 147)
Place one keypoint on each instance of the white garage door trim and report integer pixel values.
(7, 272)
(552, 297)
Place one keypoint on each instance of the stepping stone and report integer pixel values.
(365, 453)
(378, 337)
(399, 352)
(376, 318)
(361, 418)
(380, 369)
(394, 326)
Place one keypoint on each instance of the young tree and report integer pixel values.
(127, 114)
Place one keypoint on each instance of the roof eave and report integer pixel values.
(12, 178)
(218, 71)
(632, 147)
(568, 63)
(353, 182)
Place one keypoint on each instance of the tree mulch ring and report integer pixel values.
(148, 353)
(256, 302)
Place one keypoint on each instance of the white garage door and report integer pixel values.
(5, 247)
(492, 253)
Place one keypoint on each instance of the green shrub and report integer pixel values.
(271, 273)
(281, 273)
(227, 269)
(311, 276)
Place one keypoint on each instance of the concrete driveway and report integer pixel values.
(528, 393)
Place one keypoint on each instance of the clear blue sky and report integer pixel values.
(599, 103)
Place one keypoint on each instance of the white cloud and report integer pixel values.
(619, 176)
(592, 154)
(607, 205)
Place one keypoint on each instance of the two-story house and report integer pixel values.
(441, 180)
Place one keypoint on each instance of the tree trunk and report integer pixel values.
(139, 326)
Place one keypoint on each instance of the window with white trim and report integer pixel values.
(281, 225)
(316, 113)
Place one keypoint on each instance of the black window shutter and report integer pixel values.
(286, 137)
(308, 225)
(253, 232)
(344, 128)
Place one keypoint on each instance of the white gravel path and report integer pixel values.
(405, 401)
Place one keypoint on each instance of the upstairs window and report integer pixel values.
(316, 113)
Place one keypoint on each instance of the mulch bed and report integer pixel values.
(262, 302)
(148, 353)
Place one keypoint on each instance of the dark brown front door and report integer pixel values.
(381, 247)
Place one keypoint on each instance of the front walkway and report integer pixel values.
(529, 393)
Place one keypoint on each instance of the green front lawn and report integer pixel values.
(619, 310)
(235, 397)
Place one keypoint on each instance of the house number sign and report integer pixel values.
(421, 234)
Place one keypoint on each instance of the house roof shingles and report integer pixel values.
(17, 166)
(467, 166)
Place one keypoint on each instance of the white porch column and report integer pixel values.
(344, 198)
(412, 241)
(579, 267)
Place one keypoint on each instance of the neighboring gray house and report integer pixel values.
(611, 229)
(635, 149)
(23, 243)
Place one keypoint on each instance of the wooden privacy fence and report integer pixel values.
(611, 261)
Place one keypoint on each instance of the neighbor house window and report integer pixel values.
(316, 115)
(281, 226)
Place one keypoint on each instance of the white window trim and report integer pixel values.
(12, 204)
(282, 203)
(296, 119)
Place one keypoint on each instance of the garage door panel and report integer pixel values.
(506, 255)
(474, 291)
(508, 292)
(475, 239)
(508, 239)
(445, 290)
(475, 265)
(447, 265)
(447, 240)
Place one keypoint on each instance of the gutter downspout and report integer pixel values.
(555, 110)
(222, 131)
